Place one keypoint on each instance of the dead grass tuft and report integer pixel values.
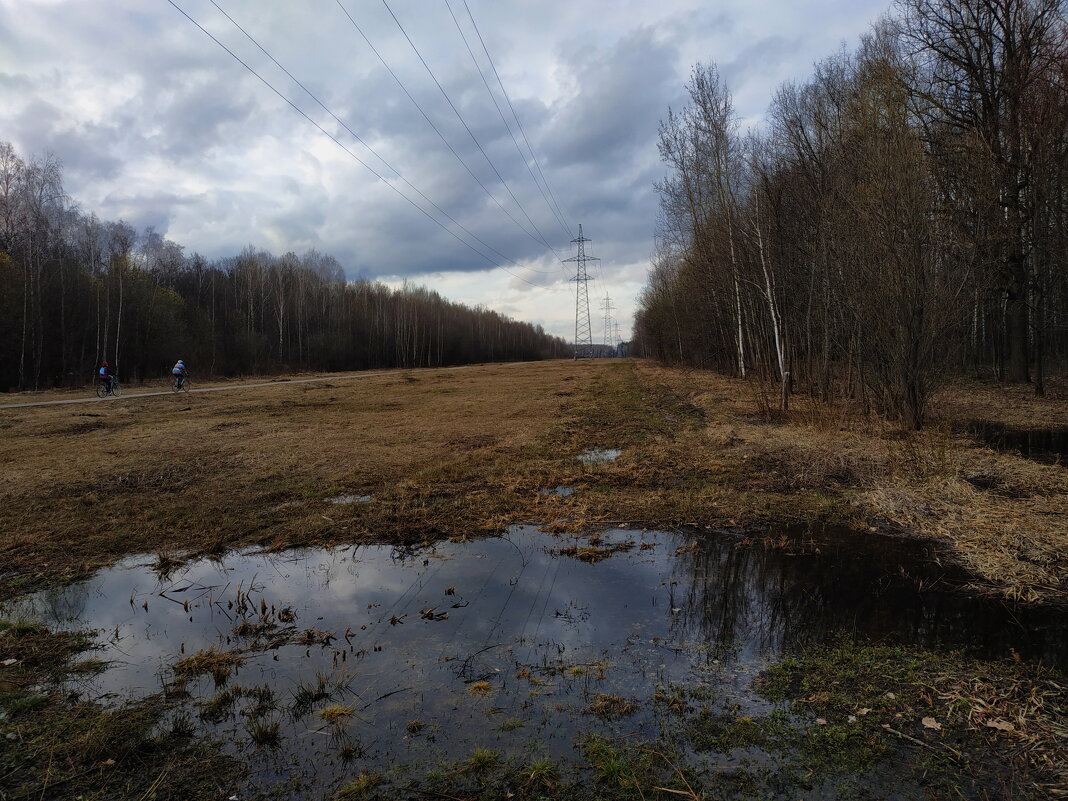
(611, 706)
(594, 553)
(220, 664)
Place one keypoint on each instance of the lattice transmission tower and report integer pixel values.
(609, 322)
(583, 327)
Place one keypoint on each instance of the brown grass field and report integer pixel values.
(462, 453)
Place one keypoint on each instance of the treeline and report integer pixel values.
(75, 290)
(903, 213)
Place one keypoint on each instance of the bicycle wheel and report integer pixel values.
(185, 385)
(101, 390)
(115, 389)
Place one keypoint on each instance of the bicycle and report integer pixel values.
(103, 389)
(180, 383)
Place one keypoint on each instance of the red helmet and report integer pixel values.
(104, 363)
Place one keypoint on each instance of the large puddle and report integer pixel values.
(1046, 445)
(505, 643)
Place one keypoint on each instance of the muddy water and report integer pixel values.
(1049, 446)
(404, 636)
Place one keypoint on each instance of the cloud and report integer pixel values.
(155, 123)
(617, 98)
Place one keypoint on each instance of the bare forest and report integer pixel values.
(901, 217)
(75, 289)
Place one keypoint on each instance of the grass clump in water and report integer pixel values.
(264, 732)
(309, 694)
(611, 706)
(359, 788)
(482, 760)
(336, 713)
(540, 776)
(219, 705)
(220, 664)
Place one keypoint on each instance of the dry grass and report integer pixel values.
(220, 664)
(1010, 404)
(442, 454)
(611, 706)
(466, 452)
(336, 713)
(595, 552)
(1005, 517)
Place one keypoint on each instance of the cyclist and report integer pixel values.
(106, 376)
(178, 371)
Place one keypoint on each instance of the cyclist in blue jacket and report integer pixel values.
(178, 371)
(106, 376)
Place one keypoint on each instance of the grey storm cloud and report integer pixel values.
(155, 123)
(618, 98)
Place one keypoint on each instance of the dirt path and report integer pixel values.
(221, 388)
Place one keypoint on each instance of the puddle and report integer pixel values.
(503, 643)
(344, 499)
(563, 492)
(1049, 446)
(596, 455)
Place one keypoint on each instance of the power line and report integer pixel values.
(357, 137)
(336, 141)
(516, 116)
(467, 128)
(430, 122)
(507, 127)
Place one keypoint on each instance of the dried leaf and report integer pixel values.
(864, 711)
(1001, 725)
(821, 722)
(931, 723)
(9, 662)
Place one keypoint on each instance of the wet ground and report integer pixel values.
(1049, 445)
(506, 643)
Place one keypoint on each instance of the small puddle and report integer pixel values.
(344, 499)
(563, 492)
(1049, 445)
(596, 455)
(506, 642)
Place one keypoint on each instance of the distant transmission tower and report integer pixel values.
(609, 323)
(583, 327)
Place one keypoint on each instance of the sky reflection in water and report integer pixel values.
(547, 632)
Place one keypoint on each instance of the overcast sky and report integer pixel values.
(156, 124)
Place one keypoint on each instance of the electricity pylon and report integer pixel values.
(583, 327)
(609, 323)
